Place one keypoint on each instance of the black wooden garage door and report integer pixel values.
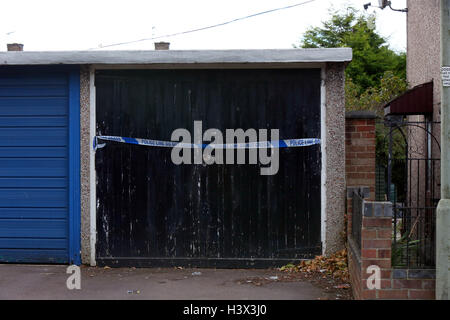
(152, 212)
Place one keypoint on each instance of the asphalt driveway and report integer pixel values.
(49, 282)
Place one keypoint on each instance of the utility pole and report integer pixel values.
(443, 209)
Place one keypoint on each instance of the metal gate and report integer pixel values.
(151, 212)
(411, 164)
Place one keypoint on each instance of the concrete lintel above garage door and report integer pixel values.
(196, 57)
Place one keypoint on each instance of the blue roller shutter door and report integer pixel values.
(35, 217)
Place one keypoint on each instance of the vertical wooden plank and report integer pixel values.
(222, 210)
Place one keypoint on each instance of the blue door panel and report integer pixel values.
(33, 137)
(25, 243)
(24, 79)
(33, 167)
(33, 228)
(33, 152)
(34, 91)
(33, 106)
(33, 213)
(39, 197)
(38, 121)
(33, 182)
(35, 159)
(34, 255)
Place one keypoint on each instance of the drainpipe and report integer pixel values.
(443, 209)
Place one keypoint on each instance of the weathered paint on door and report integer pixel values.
(152, 212)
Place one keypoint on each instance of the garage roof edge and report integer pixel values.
(177, 56)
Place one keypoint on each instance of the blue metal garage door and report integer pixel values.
(39, 170)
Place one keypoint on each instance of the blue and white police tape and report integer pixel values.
(289, 143)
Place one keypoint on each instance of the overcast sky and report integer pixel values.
(84, 24)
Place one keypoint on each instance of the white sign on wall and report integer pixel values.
(445, 73)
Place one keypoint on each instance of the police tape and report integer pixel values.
(289, 143)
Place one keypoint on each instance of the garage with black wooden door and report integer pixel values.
(152, 212)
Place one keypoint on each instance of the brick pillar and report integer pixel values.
(376, 248)
(360, 145)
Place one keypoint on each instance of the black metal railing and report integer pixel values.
(380, 182)
(414, 237)
(414, 220)
(409, 156)
(357, 206)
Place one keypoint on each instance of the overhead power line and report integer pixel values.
(204, 28)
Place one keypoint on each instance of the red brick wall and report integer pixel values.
(360, 152)
(376, 244)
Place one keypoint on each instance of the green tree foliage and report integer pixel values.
(372, 57)
(374, 98)
(376, 75)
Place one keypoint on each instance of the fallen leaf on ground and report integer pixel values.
(334, 265)
(342, 286)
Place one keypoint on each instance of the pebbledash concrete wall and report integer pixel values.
(335, 184)
(423, 47)
(335, 162)
(85, 146)
(422, 66)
